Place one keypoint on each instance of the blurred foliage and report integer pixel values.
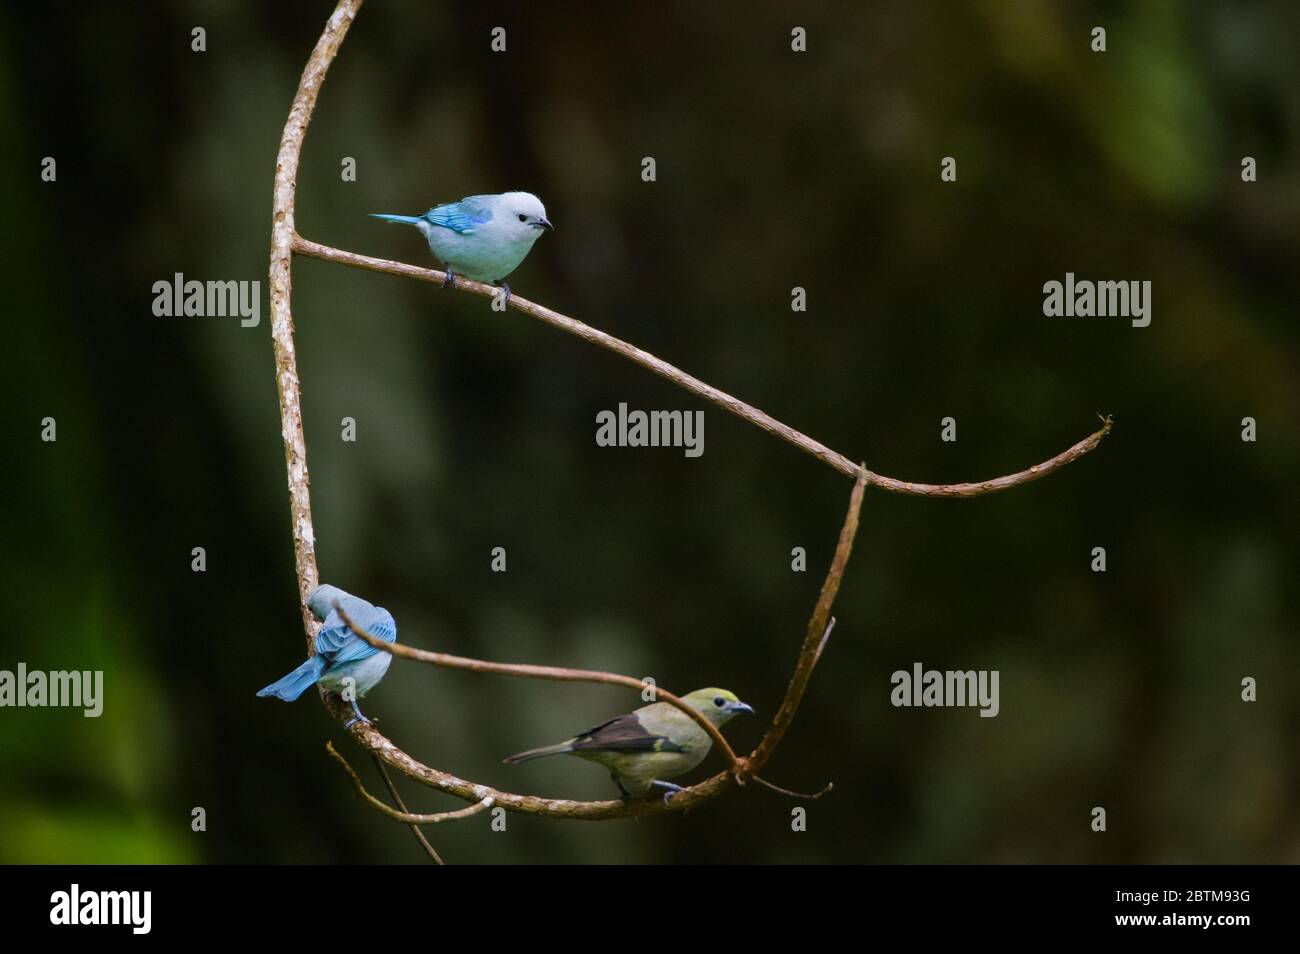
(476, 429)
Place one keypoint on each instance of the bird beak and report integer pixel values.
(740, 707)
(544, 224)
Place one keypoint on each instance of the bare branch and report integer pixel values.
(683, 380)
(483, 804)
(819, 629)
(558, 673)
(285, 242)
(367, 735)
(281, 287)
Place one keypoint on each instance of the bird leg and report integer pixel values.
(450, 280)
(507, 288)
(624, 795)
(359, 717)
(671, 788)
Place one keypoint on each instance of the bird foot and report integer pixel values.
(450, 280)
(506, 287)
(358, 716)
(669, 787)
(623, 794)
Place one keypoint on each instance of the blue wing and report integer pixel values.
(337, 643)
(463, 216)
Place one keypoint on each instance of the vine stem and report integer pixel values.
(285, 243)
(708, 392)
(281, 290)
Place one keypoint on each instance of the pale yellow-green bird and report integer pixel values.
(654, 743)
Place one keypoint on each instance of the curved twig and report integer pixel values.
(281, 286)
(802, 796)
(483, 804)
(819, 629)
(722, 399)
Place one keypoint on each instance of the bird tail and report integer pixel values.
(541, 753)
(297, 682)
(404, 219)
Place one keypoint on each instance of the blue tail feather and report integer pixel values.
(297, 682)
(404, 219)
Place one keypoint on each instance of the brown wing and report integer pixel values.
(624, 734)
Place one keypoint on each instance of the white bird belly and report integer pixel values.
(365, 674)
(638, 770)
(479, 255)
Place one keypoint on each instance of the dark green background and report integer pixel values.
(476, 429)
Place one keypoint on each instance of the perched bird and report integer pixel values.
(340, 653)
(655, 742)
(483, 237)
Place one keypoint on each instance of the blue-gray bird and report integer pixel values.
(483, 237)
(341, 654)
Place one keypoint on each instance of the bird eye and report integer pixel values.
(719, 702)
(522, 217)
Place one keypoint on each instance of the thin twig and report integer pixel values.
(397, 797)
(483, 804)
(802, 796)
(558, 673)
(819, 629)
(722, 399)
